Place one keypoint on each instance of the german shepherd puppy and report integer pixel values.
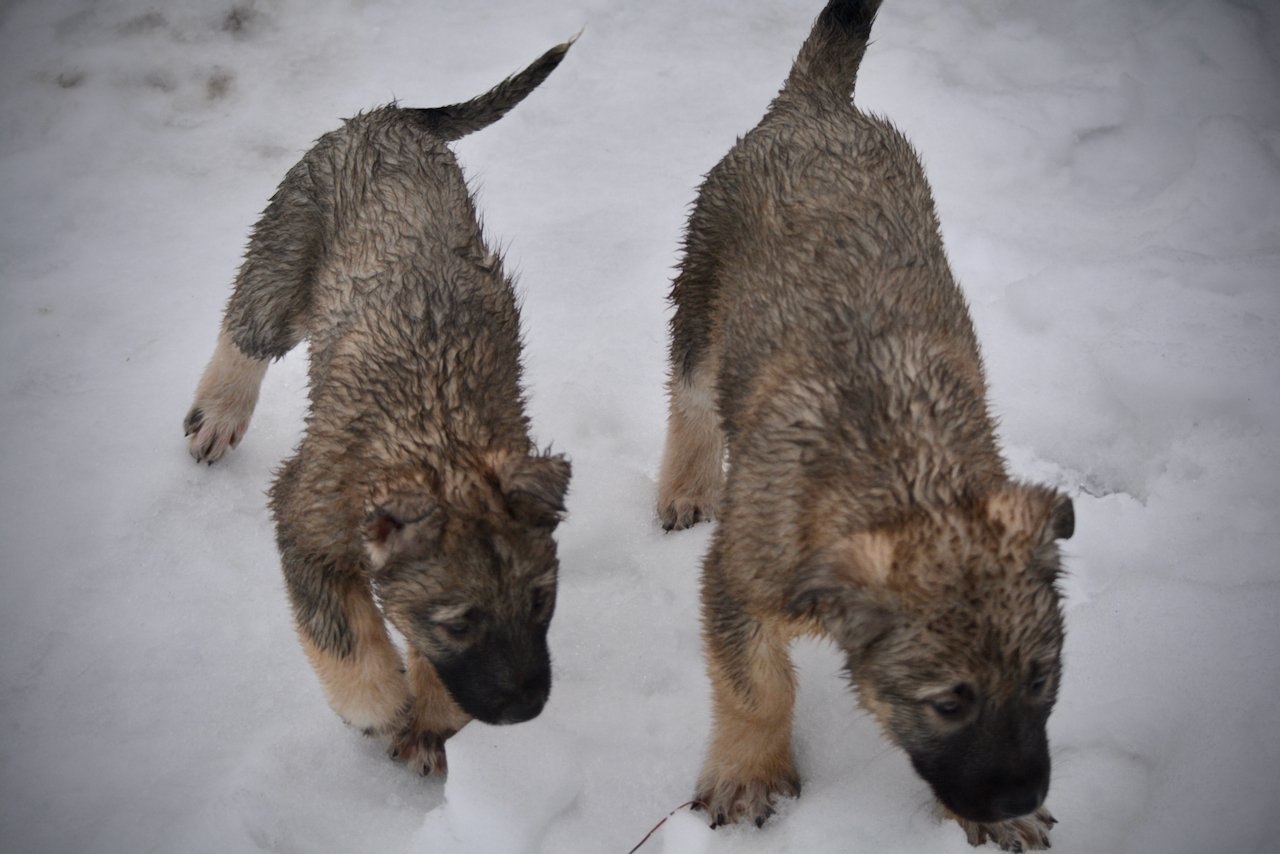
(820, 338)
(416, 484)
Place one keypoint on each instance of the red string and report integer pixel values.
(660, 824)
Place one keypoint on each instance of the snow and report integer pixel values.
(1108, 177)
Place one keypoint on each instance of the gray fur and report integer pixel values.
(416, 480)
(866, 498)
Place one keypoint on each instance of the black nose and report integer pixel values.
(524, 706)
(1019, 803)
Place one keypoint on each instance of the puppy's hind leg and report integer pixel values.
(692, 474)
(265, 318)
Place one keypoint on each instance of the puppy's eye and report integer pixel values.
(949, 708)
(1037, 684)
(952, 705)
(457, 631)
(540, 599)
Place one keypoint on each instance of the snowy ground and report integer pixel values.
(1108, 176)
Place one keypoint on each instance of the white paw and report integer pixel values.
(224, 403)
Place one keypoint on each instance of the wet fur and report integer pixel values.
(819, 337)
(416, 496)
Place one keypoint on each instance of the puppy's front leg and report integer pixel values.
(749, 761)
(346, 640)
(433, 717)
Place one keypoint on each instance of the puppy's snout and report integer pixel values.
(525, 702)
(525, 705)
(1016, 804)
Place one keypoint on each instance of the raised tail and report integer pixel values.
(828, 61)
(457, 120)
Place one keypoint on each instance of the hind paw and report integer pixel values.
(211, 433)
(680, 513)
(225, 399)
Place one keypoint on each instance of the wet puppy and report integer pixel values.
(417, 483)
(820, 339)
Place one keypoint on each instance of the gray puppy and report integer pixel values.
(416, 482)
(819, 336)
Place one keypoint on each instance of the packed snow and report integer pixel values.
(1108, 177)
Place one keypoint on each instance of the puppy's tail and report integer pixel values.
(457, 120)
(828, 61)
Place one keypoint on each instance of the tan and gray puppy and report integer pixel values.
(820, 339)
(416, 484)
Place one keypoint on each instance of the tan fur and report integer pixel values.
(367, 688)
(749, 759)
(693, 463)
(417, 482)
(866, 498)
(225, 399)
(433, 717)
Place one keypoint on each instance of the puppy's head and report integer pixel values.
(466, 571)
(953, 634)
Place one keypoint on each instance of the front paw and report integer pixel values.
(421, 751)
(1029, 833)
(728, 801)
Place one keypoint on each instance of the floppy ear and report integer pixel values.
(1038, 512)
(400, 522)
(534, 488)
(1034, 518)
(842, 589)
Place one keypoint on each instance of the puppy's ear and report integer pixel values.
(1030, 520)
(1038, 513)
(534, 488)
(401, 522)
(842, 589)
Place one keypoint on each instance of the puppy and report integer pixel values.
(416, 485)
(820, 339)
